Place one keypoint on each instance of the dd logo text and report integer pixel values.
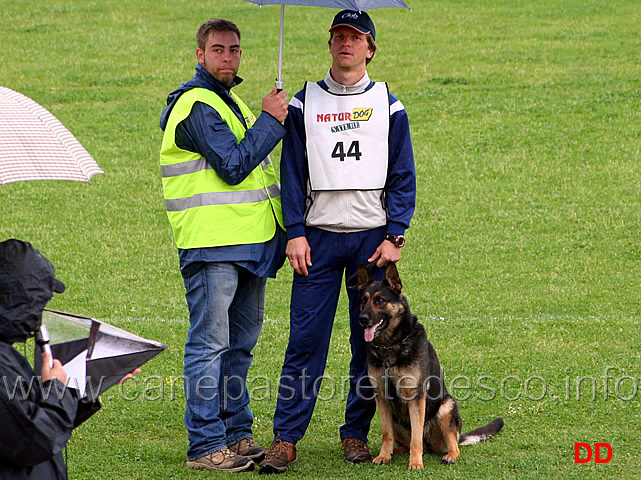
(586, 449)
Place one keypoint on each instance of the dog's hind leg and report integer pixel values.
(449, 422)
(400, 450)
(387, 429)
(417, 419)
(402, 438)
(453, 452)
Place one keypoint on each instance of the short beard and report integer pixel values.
(223, 81)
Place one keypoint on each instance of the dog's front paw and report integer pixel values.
(448, 460)
(382, 459)
(415, 465)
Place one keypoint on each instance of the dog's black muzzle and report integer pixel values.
(363, 320)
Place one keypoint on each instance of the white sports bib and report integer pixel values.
(347, 138)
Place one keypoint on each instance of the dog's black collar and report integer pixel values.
(393, 346)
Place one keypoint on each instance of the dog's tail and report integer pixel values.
(481, 433)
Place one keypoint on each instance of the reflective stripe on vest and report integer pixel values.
(222, 198)
(203, 210)
(193, 166)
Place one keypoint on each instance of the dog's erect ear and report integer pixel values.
(392, 278)
(364, 277)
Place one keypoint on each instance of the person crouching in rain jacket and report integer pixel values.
(35, 425)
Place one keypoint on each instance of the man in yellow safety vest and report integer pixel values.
(223, 204)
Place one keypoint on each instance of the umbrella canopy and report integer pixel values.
(95, 355)
(34, 145)
(357, 5)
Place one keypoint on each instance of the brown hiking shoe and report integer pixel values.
(222, 461)
(356, 451)
(281, 454)
(248, 448)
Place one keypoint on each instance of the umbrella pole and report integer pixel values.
(279, 83)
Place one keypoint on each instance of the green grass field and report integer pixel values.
(523, 260)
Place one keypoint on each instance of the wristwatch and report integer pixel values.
(397, 240)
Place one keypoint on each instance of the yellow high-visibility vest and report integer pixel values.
(204, 210)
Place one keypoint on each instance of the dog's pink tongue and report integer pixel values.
(369, 333)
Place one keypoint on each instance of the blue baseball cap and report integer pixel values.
(359, 21)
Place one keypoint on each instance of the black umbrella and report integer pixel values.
(95, 355)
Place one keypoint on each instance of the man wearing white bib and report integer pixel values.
(348, 193)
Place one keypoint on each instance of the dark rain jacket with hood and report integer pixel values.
(36, 419)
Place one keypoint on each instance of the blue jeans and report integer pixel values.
(226, 308)
(313, 307)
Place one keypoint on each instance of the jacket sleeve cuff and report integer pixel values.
(269, 118)
(297, 230)
(395, 228)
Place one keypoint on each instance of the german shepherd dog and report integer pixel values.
(415, 409)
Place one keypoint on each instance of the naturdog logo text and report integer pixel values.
(358, 114)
